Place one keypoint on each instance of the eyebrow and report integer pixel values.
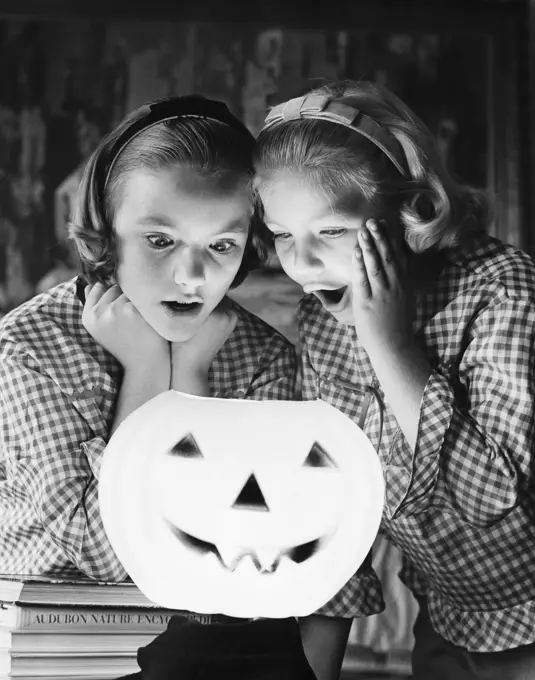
(154, 221)
(233, 227)
(325, 217)
(236, 227)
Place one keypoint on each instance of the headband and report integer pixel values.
(190, 106)
(320, 107)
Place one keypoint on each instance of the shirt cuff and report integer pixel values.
(410, 476)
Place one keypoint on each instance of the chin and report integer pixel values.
(179, 334)
(174, 331)
(345, 317)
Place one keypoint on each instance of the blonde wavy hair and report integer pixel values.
(434, 210)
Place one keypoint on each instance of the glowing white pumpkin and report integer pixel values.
(246, 508)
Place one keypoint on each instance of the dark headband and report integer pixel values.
(190, 106)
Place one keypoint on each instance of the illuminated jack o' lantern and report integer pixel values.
(246, 508)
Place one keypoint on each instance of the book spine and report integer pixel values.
(74, 620)
(24, 643)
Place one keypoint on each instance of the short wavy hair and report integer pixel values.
(434, 210)
(208, 148)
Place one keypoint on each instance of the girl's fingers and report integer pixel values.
(98, 293)
(387, 256)
(111, 293)
(361, 283)
(93, 292)
(371, 258)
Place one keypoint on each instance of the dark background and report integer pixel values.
(70, 70)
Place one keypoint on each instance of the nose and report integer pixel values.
(189, 268)
(307, 259)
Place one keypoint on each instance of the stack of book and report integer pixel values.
(74, 627)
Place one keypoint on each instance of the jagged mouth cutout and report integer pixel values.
(250, 498)
(298, 554)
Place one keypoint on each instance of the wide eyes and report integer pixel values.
(223, 247)
(318, 458)
(158, 241)
(328, 233)
(187, 447)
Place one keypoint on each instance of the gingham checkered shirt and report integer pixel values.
(461, 507)
(57, 397)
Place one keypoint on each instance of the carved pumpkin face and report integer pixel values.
(246, 508)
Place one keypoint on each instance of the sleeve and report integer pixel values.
(277, 379)
(309, 383)
(476, 425)
(52, 458)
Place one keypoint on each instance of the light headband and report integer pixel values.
(320, 107)
(190, 106)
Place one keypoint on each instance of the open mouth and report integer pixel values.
(174, 308)
(330, 297)
(230, 561)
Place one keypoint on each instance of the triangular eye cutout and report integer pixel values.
(187, 447)
(318, 457)
(251, 497)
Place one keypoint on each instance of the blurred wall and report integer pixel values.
(65, 81)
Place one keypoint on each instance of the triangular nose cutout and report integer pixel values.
(251, 497)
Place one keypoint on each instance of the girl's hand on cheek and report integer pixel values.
(116, 324)
(191, 360)
(382, 303)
